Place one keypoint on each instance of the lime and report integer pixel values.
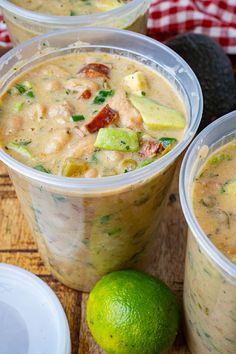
(130, 312)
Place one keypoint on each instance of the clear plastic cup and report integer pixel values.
(24, 24)
(210, 278)
(86, 227)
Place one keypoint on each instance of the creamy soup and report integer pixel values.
(214, 200)
(209, 292)
(90, 116)
(70, 7)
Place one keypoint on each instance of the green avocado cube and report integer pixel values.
(117, 139)
(156, 116)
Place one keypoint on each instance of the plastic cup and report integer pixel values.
(87, 227)
(210, 278)
(24, 24)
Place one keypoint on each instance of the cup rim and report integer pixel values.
(68, 20)
(185, 198)
(121, 180)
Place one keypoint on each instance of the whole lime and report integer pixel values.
(130, 312)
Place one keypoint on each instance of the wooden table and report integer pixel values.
(18, 247)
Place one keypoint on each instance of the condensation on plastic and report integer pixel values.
(210, 277)
(24, 24)
(65, 213)
(32, 318)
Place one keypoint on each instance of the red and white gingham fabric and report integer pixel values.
(215, 18)
(4, 37)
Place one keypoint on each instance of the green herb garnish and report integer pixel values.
(102, 95)
(77, 117)
(21, 88)
(105, 218)
(30, 94)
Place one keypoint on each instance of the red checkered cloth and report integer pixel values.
(215, 18)
(4, 36)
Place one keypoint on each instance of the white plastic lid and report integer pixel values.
(32, 320)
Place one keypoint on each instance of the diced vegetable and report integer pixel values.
(156, 116)
(27, 85)
(102, 119)
(20, 148)
(217, 158)
(229, 187)
(86, 94)
(77, 117)
(74, 167)
(167, 144)
(18, 106)
(117, 139)
(94, 70)
(129, 165)
(136, 83)
(41, 168)
(145, 162)
(102, 95)
(167, 141)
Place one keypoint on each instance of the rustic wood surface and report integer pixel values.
(18, 247)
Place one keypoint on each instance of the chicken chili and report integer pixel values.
(90, 116)
(70, 7)
(214, 200)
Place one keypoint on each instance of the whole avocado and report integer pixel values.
(213, 70)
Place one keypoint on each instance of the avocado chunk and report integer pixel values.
(156, 116)
(229, 187)
(73, 167)
(117, 139)
(136, 83)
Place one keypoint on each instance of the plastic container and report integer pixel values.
(24, 24)
(210, 278)
(73, 219)
(32, 318)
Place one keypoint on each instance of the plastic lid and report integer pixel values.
(32, 320)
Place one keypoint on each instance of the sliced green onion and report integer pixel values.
(77, 117)
(102, 95)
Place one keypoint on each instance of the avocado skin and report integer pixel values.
(213, 70)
